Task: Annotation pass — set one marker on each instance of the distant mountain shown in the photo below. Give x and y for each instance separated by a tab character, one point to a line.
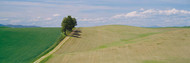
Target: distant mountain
16	26
187	26
169	27
178	27
1	25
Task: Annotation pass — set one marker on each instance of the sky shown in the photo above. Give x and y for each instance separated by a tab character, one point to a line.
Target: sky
141	13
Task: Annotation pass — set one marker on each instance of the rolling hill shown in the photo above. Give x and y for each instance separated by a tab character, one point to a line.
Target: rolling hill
125	44
24	45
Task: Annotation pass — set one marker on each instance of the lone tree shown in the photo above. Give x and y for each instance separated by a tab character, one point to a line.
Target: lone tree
68	24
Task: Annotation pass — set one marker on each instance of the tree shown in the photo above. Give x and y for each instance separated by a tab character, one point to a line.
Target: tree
68	23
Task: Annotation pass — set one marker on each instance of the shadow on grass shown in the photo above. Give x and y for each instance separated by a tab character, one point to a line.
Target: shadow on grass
77	34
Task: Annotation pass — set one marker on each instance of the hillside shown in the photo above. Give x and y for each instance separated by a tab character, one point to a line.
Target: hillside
24	45
125	44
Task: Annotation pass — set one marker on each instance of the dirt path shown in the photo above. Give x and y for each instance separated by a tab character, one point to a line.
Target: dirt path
55	49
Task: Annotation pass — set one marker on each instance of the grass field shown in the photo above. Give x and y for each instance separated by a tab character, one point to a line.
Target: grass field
125	44
24	45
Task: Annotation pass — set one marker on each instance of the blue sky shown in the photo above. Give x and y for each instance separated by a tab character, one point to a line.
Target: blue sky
142	13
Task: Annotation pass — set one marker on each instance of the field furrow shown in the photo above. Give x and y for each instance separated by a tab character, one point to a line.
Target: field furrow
125	44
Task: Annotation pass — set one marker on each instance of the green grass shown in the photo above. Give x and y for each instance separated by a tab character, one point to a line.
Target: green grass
24	45
44	60
126	44
153	61
124	41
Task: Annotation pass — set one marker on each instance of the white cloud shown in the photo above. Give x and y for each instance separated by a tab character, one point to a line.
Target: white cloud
130	14
173	11
56	15
48	19
142	9
29	11
151	12
145	18
92	19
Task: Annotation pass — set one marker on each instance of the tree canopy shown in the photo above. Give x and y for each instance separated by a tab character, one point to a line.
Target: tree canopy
68	23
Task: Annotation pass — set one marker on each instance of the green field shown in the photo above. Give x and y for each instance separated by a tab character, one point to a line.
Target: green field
24	45
125	44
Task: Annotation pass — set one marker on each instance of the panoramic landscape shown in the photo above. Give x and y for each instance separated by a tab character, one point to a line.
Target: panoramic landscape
101	31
